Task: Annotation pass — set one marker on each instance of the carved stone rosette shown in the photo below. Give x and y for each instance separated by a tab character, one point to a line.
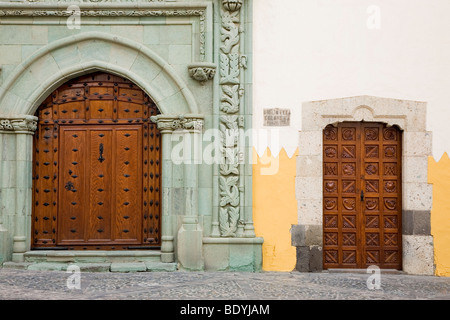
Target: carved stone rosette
230	221
26	124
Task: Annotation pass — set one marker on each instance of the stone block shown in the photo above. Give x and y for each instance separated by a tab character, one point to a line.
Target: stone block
121	56
416	115
23	34
415	222
415	169
145	69
166	87
41	69
242	258
189	247
306	235
8	177
417	196
205	201
94	50
176	34
48	266
161	50
11	54
417	144
128	267
418	255
309	166
94	267
310	143
132	32
308	188
57	32
309	259
180	54
151	34
310	211
16	265
4	244
66	56
161	267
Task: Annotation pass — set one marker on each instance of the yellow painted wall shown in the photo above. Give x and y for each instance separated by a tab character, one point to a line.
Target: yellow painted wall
275	208
439	176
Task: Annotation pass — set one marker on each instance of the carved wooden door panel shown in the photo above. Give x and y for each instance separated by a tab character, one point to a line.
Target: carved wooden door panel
362	196
96	173
101	171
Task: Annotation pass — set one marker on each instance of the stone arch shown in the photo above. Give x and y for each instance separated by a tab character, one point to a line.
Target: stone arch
34	79
409	116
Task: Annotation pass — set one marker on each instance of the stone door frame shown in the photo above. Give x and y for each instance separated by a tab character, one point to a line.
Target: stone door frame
205	234
17	126
409	116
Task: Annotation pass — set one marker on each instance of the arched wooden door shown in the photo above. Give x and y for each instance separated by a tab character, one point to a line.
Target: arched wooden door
96	173
362	196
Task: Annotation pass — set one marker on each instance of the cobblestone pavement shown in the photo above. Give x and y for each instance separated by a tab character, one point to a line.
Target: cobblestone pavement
52	285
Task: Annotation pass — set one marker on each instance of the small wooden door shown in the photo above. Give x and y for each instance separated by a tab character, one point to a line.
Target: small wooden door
362	196
96	167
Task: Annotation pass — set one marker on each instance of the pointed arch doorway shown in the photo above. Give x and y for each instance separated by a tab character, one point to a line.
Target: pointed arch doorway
96	167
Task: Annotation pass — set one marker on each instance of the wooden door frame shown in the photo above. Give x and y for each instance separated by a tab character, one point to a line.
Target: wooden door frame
409	116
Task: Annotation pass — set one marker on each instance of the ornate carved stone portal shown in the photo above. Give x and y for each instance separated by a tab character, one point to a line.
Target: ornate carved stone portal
198	77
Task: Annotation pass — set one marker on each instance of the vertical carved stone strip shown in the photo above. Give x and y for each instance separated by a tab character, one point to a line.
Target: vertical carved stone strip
229	68
244	120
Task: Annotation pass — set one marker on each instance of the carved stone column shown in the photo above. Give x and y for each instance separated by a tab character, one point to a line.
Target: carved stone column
16	184
190	234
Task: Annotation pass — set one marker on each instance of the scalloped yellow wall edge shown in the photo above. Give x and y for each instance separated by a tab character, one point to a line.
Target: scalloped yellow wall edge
275	208
439	176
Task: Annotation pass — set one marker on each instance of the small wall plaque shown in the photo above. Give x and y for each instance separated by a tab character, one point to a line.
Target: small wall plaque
277	117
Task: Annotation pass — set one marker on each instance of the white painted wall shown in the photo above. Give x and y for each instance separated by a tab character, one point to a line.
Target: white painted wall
323	49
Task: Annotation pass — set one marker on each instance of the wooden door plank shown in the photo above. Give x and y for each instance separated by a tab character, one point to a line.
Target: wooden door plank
72	192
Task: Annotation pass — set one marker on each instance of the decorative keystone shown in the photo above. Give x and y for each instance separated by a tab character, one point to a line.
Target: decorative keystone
202	71
232	5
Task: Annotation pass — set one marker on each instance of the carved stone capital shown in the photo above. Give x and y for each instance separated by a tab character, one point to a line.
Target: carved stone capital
232	5
202	71
168	124
19	124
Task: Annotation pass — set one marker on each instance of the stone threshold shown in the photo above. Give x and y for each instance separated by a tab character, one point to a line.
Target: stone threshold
89	256
94	261
363	271
257	240
120	267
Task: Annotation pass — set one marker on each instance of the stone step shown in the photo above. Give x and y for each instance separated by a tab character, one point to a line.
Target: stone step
91	256
148	266
364	271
